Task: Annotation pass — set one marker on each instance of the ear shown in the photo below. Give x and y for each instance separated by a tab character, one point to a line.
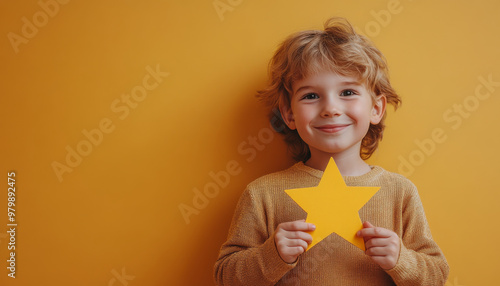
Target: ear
287	115
378	109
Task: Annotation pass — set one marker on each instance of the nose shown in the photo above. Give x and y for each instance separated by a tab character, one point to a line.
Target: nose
331	107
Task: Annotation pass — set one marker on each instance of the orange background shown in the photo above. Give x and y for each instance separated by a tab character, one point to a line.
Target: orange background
118	211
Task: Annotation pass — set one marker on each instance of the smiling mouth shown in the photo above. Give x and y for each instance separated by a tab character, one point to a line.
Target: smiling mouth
332	128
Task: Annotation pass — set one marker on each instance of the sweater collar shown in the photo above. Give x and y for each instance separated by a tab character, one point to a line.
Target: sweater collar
350	180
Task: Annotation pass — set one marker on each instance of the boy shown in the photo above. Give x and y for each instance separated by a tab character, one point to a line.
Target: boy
331	88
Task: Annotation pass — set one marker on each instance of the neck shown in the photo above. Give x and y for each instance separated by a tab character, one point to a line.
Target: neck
348	164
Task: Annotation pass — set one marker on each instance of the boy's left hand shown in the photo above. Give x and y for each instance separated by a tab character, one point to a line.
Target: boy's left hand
381	244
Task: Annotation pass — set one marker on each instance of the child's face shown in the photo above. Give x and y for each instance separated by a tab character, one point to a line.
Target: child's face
332	113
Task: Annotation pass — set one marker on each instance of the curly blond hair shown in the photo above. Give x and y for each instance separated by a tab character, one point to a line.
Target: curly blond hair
338	48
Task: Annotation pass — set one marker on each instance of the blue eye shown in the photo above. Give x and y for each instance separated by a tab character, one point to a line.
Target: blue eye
310	96
347	92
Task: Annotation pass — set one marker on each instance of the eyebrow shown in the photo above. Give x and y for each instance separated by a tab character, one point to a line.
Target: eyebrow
341	83
303	87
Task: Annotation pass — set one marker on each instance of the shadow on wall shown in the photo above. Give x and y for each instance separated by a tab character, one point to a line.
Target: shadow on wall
261	150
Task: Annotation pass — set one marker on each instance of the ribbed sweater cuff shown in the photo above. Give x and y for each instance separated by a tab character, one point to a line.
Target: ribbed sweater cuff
274	266
406	268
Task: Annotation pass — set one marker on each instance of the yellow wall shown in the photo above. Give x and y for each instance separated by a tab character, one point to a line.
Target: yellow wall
69	69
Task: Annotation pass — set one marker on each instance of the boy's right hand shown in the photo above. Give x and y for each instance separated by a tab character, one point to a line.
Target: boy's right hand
292	240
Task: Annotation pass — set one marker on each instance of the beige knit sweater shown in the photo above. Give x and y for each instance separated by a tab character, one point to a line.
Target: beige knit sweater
249	256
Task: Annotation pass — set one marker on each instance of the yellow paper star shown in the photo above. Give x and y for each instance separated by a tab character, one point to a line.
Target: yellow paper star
333	207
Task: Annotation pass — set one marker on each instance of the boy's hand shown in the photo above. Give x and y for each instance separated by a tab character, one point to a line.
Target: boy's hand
292	240
381	244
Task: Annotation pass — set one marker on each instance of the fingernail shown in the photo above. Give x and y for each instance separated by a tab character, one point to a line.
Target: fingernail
313	226
358	233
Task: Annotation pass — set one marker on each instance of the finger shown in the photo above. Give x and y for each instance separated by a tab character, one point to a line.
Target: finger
290	254
385	262
292	243
296	250
376	251
299	235
297	225
374	232
383	257
376	242
367	224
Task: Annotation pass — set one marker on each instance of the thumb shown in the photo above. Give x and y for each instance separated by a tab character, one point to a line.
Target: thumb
367	224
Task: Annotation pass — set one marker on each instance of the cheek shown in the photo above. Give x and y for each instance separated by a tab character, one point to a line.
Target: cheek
362	116
303	114
361	112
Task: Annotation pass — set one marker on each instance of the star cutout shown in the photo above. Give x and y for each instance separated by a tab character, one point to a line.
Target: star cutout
333	207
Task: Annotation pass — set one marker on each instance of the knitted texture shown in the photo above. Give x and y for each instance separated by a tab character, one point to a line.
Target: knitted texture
249	256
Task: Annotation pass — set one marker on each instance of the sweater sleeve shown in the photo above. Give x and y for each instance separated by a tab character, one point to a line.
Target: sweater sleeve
249	256
420	262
